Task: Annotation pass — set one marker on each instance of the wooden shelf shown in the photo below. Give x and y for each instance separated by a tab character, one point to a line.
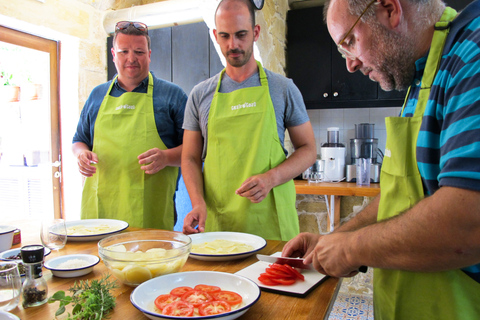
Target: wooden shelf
336	188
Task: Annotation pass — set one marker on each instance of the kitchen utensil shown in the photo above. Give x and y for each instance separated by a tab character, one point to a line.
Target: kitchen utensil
363	171
293	262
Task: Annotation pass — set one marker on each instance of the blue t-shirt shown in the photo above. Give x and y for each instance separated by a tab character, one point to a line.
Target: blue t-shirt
168	103
448	145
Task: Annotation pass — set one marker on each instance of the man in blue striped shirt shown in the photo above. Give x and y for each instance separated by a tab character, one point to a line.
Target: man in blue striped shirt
422	234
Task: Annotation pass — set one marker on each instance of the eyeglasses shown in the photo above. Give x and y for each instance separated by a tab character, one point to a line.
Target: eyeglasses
122	25
344	52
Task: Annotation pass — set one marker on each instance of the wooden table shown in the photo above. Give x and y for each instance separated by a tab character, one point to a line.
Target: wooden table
335	190
270	305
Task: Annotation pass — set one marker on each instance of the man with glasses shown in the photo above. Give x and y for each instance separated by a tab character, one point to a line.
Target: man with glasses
422	233
235	122
128	141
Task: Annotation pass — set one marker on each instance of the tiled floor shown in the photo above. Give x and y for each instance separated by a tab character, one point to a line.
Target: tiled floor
355	299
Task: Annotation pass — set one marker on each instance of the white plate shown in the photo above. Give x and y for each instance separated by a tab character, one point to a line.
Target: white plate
144	295
4	315
118	224
53	264
256	242
299	288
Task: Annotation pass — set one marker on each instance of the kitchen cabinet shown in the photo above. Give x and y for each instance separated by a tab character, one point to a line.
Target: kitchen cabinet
184	55
319	71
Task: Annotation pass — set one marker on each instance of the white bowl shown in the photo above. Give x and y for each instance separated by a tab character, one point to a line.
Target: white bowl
256	242
6	237
144	295
4	315
53	264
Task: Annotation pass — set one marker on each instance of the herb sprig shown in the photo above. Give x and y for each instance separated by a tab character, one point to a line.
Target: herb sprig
91	300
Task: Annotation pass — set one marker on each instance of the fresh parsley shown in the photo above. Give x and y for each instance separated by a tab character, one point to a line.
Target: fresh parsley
91	300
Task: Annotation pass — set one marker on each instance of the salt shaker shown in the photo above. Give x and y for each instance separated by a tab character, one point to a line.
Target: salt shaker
35	290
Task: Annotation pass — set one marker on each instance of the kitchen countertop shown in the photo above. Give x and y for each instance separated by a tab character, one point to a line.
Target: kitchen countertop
315	305
336	188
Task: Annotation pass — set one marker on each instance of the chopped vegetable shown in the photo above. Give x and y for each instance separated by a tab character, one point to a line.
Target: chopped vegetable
91	300
276	274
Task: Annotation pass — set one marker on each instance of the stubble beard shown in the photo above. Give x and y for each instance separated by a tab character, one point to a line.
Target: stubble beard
395	60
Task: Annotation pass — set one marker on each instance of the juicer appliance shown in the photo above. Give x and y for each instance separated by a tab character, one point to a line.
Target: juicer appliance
333	154
364	146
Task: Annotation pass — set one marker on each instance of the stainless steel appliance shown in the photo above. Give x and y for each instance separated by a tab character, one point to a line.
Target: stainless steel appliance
365	146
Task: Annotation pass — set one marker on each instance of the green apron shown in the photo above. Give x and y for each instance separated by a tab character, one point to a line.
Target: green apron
417	295
242	142
124	129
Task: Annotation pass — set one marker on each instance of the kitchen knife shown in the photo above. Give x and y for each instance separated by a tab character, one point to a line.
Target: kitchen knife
294	262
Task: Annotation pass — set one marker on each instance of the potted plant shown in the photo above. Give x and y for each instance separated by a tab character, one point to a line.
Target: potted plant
10	92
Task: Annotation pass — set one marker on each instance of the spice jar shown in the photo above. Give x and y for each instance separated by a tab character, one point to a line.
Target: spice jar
35	290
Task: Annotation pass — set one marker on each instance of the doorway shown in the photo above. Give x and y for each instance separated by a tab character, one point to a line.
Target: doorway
30	152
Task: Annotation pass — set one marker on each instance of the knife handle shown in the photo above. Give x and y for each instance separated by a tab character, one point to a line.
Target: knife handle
363	269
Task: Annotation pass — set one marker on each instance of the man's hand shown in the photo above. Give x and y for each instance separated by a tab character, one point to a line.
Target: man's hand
85	159
194	218
153	160
255	188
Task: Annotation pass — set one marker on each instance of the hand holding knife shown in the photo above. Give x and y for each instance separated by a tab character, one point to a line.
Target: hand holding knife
295	262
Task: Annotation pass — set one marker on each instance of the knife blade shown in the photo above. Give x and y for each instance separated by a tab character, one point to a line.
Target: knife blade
295	262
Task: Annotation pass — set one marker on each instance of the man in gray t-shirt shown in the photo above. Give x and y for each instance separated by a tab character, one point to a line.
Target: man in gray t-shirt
235	125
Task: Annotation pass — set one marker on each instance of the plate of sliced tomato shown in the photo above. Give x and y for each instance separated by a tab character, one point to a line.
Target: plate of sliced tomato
196	294
282	278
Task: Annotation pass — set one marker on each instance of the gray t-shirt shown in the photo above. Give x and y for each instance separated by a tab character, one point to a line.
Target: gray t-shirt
287	101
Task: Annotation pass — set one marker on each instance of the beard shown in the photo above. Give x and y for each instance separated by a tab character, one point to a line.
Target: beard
395	59
241	60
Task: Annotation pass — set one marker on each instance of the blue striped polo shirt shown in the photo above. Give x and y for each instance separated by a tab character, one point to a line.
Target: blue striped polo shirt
448	145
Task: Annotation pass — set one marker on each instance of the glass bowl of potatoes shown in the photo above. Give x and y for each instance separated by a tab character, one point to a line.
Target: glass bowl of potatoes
137	256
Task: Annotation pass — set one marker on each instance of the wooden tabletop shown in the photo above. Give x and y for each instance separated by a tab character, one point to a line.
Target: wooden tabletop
336	188
270	305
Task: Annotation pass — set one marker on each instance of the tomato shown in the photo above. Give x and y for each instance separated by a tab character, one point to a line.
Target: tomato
165	299
207	288
213	307
294	271
232	298
179	309
179	291
284	281
266	280
196	297
276	273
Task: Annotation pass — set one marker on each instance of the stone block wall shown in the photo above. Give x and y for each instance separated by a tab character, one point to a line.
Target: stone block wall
313	215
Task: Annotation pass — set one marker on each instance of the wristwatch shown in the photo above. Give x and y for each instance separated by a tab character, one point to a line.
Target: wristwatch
258	4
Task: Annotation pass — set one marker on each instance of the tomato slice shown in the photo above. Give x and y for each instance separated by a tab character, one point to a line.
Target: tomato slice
266	280
278	274
295	272
196	297
285	281
165	299
213	307
179	309
232	298
207	288
179	291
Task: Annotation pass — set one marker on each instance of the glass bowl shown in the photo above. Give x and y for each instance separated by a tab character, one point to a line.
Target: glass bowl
138	256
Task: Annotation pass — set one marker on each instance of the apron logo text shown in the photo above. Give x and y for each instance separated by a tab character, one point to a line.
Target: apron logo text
244	105
125	106
388	153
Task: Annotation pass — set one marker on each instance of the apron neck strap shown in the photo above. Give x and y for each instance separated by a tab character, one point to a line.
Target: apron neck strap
261	72
442	27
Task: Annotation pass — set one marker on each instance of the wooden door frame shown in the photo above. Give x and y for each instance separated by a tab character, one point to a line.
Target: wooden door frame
53	48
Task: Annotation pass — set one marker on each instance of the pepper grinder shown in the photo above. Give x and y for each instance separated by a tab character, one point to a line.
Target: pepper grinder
35	290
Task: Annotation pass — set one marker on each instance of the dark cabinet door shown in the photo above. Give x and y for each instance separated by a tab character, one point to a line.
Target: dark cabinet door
320	72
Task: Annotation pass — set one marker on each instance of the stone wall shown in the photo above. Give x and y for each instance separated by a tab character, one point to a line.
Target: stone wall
313	214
